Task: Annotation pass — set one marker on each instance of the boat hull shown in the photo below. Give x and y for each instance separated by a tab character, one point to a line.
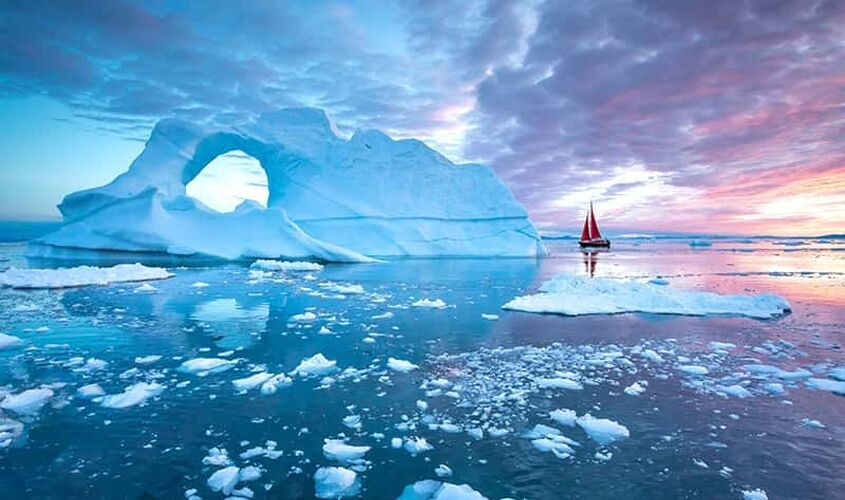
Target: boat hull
595	244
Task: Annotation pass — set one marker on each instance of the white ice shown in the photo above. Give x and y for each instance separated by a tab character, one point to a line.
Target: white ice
602	430
285	265
330	198
429	303
28	402
133	395
7	341
206	366
80	276
337	449
316	365
576	295
400	365
224	480
436	490
756	494
336	482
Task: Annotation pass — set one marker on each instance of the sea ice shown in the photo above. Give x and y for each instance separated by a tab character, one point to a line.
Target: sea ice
564	417
286	265
602	430
132	395
368	195
429	303
90	391
416	445
823	384
147	360
337	449
436	490
576	295
80	276
316	365
206	366
336	482
10	430
695	370
400	365
7	341
635	389
559	383
251	382
756	494
224	480
28	402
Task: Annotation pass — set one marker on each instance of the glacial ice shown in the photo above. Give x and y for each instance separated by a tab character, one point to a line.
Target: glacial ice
79	276
430	489
315	365
602	430
133	395
337	449
330	198
28	402
575	295
336	482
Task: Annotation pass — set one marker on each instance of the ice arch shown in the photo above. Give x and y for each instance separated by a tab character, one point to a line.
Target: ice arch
229	180
330	198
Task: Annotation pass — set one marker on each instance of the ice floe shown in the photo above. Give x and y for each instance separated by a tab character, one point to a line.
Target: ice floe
756	494
336	482
10	430
430	489
202	367
224	480
80	276
337	449
28	402
601	430
430	303
400	365
286	265
7	341
133	395
90	391
575	295
316	365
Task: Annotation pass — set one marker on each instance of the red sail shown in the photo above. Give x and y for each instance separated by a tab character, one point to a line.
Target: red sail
594	227
585	234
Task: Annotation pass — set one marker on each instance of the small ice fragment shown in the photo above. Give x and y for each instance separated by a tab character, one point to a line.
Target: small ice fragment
90	391
652	356
558	383
694	370
489	317
428	303
147	360
721	346
811	423
634	389
415	445
443	470
336	482
352	421
251	382
736	391
249	473
132	395
224	480
602	430
28	402
206	366
400	365
337	449
305	317
756	494
316	365
285	265
7	341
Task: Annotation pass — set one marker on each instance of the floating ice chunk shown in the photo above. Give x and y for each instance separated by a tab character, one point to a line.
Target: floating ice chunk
602	430
416	445
202	367
199	284
774	388
756	494
652	356
400	365
80	276
133	395
429	303
343	289
635	389
7	341
489	317
559	448
774	371
559	383
823	384
145	288
337	449
352	421
812	423
224	480
576	295
396	443
695	370
147	360
249	473
838	373
443	470
384	315
305	317
564	416
336	482
721	346
274	383
436	490
736	391
217	457
251	382
90	391
316	365
10	430
28	402
285	265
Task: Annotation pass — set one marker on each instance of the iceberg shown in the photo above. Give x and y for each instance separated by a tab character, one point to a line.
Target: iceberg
80	276
330	198
571	295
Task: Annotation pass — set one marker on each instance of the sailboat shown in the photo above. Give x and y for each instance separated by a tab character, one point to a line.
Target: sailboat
591	236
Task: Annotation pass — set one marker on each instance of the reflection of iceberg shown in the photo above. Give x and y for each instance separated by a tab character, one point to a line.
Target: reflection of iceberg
330	199
241	324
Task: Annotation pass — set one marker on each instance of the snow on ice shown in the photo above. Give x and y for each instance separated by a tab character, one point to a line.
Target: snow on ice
80	276
576	295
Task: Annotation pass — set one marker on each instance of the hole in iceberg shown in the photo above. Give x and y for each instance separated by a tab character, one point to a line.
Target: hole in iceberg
229	180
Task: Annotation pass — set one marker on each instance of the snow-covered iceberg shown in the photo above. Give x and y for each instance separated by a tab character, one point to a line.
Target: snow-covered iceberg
330	198
574	295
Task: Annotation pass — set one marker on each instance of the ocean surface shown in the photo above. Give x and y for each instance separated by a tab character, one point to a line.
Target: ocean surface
473	395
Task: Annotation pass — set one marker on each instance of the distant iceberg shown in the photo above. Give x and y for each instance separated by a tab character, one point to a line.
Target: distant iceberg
330	199
574	295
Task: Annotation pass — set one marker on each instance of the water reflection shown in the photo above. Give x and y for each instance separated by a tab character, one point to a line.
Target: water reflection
590	258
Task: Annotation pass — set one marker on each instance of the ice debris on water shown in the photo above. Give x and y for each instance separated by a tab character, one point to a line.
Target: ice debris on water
336	482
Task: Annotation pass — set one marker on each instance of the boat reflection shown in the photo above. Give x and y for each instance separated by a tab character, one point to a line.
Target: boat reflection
590	258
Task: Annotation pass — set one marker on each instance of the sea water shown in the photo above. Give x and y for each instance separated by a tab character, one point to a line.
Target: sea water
470	379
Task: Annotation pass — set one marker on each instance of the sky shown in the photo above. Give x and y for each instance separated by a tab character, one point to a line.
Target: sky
725	116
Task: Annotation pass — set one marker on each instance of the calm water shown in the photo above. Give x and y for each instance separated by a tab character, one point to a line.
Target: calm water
685	440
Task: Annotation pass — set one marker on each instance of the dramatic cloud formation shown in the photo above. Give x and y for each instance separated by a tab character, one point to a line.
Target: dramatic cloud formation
701	116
